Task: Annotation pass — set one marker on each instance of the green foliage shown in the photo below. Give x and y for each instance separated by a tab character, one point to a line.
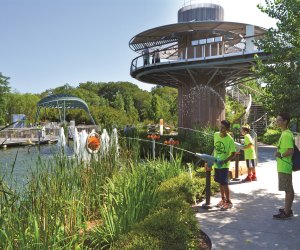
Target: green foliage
109	117
4	90
198	140
176	228
281	71
183	184
52	208
23	104
171	224
255	89
128	198
168	99
271	137
137	241
234	110
192	189
111	104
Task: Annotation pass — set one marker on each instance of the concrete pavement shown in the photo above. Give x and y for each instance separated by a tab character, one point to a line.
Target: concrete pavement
250	224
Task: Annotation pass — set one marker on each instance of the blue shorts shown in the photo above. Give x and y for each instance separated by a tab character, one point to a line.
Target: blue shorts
221	175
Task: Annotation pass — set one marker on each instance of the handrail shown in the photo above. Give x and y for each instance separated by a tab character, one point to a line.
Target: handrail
259	118
223	49
247	112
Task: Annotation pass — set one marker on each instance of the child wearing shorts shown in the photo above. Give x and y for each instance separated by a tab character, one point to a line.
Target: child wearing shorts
249	153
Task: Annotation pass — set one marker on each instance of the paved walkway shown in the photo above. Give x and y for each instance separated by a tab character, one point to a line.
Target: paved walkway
249	225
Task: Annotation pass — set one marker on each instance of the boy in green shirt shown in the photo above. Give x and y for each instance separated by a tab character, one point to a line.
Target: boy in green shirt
224	152
284	165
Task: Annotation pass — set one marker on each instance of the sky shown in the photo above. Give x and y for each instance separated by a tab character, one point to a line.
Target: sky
45	44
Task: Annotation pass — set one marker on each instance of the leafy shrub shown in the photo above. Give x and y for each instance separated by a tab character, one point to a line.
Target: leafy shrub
271	137
183	184
191	189
137	241
170	228
171	224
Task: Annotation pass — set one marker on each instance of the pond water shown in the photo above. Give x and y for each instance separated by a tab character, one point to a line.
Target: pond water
19	162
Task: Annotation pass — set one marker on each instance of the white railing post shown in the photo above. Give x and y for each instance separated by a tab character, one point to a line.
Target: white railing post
186	53
153	148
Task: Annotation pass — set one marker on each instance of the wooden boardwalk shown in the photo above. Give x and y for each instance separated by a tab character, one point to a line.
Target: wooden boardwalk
32	136
16	142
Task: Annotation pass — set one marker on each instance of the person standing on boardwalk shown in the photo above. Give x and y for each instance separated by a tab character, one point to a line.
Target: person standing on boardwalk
284	165
224	152
249	153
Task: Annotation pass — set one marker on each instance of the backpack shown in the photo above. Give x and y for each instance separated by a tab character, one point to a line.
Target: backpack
296	158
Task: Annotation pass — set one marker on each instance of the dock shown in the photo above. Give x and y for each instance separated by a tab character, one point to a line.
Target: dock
16	142
15	137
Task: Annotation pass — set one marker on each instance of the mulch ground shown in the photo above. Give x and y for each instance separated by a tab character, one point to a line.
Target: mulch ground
204	241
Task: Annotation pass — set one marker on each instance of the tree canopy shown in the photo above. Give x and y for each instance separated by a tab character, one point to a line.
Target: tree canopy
111	104
4	90
281	72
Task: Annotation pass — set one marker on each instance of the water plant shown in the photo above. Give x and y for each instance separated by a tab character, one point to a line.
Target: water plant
69	204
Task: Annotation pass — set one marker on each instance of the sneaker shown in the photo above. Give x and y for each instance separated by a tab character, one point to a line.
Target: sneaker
253	178
282	210
220	203
227	205
282	216
247	179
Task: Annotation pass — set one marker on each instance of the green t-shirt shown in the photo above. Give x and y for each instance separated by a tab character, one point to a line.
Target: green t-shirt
223	148
286	141
249	152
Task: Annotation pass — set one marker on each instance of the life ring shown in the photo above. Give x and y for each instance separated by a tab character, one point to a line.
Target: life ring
93	143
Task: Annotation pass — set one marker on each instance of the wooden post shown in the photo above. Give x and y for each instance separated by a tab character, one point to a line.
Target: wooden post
207	188
237	160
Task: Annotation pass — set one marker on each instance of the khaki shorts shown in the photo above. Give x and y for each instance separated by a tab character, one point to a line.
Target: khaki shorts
285	182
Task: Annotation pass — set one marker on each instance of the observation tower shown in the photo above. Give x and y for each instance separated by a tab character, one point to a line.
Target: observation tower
200	55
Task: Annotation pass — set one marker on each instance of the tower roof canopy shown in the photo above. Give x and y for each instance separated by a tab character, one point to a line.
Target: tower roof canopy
168	34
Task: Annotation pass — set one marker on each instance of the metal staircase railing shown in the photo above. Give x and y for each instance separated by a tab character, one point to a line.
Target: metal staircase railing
254	114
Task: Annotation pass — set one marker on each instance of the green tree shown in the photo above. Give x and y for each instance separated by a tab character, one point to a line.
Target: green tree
131	111
4	90
109	117
281	71
140	97
168	99
22	104
119	102
154	112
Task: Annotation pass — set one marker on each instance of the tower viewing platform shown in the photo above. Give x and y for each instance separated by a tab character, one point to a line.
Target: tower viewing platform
200	56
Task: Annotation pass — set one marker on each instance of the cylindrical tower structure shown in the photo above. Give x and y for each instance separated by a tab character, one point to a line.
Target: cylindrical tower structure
201	104
201	12
200	55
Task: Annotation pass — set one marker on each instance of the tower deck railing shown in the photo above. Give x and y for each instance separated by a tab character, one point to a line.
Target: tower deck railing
204	52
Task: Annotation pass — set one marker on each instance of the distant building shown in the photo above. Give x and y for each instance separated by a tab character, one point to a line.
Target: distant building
19	120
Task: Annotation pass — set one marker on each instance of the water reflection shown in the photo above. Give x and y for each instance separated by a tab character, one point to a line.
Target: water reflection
19	162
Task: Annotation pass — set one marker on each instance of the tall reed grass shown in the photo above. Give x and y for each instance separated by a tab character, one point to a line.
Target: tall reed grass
62	195
128	198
